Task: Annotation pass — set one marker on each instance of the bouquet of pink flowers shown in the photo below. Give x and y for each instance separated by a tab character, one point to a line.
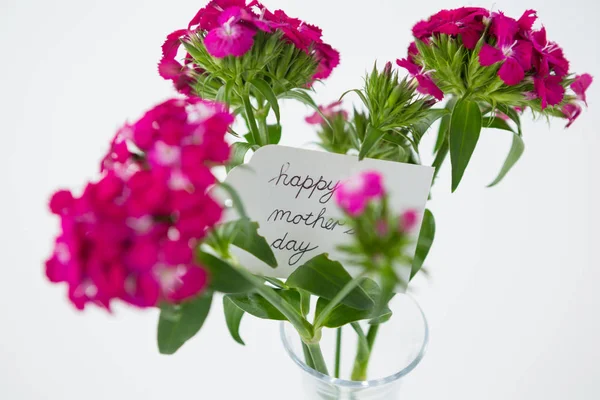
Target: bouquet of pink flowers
150	230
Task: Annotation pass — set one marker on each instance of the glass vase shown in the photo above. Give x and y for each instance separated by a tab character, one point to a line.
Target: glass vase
399	347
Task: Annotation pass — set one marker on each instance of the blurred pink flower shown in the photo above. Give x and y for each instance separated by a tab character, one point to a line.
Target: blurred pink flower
130	236
330	112
353	194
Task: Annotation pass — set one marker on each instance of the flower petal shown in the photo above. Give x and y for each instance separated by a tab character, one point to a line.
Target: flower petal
511	72
490	55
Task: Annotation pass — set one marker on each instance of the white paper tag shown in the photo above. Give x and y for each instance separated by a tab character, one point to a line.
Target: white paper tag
290	193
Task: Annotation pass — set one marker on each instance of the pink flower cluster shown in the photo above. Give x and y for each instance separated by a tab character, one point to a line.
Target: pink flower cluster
521	52
354	194
330	112
230	27
131	234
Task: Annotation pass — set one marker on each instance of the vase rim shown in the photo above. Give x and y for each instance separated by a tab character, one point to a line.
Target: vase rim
368	383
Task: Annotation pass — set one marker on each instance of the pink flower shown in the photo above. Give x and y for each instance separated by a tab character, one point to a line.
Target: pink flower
549	90
466	22
230	38
526	21
515	55
408	220
130	236
580	86
171	69
331	111
354	194
426	85
548	56
328	58
571	111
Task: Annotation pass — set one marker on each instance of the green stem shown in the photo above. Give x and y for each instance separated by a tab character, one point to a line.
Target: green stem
361	364
263	130
317	357
341	295
338	352
307	356
372	335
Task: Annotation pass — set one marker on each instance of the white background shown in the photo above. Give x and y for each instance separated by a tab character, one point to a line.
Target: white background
512	302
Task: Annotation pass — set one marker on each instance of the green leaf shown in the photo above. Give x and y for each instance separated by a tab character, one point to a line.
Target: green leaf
513	115
516	151
325	278
257	305
372	137
430	116
223	276
179	323
304	302
251	120
238	154
265	89
247	238
496	123
424	242
342	314
235	198
233	318
465	127
359	93
303	97
274	134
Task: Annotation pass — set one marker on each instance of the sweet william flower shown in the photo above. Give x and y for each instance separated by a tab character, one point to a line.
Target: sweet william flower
130	236
515	55
330	111
571	112
466	22
354	194
426	85
548	56
408	220
231	37
549	90
580	86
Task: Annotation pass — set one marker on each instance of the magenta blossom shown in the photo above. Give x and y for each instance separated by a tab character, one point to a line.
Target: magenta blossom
330	112
426	85
466	22
408	220
549	90
548	56
229	28
131	235
571	111
354	194
230	37
580	86
515	55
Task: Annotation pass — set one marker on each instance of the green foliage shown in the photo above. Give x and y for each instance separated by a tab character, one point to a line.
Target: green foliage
343	314
465	127
243	233
180	322
424	243
224	277
233	318
255	304
516	150
325	278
